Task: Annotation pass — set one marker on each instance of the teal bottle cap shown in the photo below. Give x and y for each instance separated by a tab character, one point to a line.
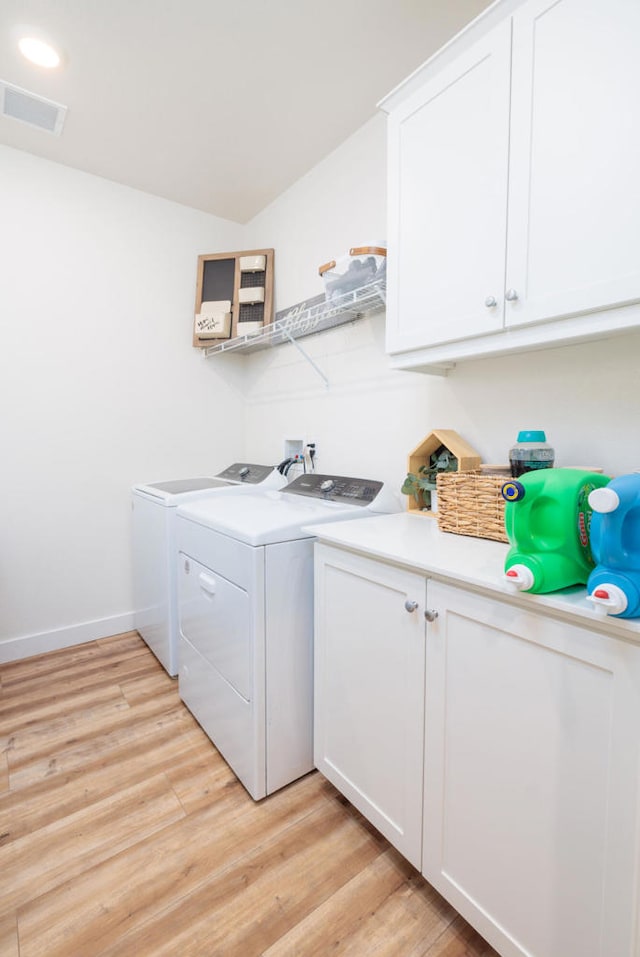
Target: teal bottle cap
532	436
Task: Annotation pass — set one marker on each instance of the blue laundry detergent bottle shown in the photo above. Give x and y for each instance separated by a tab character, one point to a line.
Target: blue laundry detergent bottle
614	584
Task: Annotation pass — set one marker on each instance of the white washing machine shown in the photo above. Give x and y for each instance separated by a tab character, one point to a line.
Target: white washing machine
154	550
245	597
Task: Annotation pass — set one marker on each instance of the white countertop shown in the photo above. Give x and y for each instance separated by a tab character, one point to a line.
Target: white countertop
415	542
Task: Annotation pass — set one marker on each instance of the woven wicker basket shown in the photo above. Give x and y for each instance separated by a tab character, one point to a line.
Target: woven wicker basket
470	503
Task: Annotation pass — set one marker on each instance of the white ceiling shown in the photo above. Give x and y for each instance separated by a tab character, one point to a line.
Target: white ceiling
217	104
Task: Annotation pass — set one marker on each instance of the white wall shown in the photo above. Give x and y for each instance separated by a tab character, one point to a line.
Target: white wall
370	417
366	419
99	388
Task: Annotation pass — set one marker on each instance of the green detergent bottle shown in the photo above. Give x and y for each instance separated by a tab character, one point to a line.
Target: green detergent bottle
547	519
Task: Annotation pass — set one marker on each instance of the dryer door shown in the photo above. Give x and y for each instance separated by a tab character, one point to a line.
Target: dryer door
215	617
222	656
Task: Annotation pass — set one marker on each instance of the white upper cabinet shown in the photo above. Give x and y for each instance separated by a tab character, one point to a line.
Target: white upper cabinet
514	210
449	147
574	201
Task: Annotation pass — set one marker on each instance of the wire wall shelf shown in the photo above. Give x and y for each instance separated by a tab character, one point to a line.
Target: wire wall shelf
307	320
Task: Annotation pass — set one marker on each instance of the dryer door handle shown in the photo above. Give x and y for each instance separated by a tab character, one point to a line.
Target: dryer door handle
207	584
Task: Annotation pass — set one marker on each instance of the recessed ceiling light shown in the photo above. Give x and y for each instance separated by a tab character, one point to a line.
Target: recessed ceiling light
39	52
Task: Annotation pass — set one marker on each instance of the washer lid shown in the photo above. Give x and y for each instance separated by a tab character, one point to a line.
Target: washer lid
239	477
186	485
271	518
173	492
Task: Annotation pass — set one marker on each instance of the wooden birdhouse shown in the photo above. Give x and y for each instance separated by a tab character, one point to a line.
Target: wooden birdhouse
439	441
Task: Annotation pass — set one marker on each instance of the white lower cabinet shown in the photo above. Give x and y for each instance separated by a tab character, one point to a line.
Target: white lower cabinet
525	801
531	778
369	690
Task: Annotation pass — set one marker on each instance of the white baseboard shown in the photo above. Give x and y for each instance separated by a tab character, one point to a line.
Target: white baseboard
28	645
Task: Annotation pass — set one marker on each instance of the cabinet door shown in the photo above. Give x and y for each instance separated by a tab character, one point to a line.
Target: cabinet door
369	691
531	778
448	156
574	202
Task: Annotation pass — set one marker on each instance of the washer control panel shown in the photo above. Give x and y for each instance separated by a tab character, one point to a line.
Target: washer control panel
246	472
335	488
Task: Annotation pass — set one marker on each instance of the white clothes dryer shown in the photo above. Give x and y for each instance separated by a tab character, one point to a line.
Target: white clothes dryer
245	597
154	551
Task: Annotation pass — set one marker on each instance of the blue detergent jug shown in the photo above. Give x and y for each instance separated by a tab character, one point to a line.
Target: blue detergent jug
614	584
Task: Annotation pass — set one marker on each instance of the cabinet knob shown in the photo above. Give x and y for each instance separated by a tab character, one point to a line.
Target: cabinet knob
410	605
490	302
511	295
430	614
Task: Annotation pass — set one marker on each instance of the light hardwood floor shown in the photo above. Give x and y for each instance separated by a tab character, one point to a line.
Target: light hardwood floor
123	832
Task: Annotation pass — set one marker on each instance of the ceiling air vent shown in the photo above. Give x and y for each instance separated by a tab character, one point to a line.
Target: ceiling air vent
32	109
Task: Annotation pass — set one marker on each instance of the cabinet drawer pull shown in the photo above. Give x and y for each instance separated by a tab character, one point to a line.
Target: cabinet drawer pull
430	614
410	605
490	302
511	295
